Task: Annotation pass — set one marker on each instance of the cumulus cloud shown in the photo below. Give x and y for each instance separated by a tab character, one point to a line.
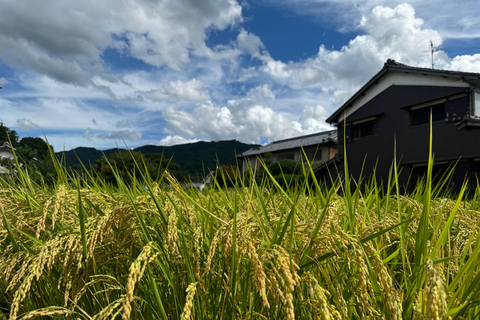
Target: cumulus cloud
233	90
250	43
247	119
26	124
313	119
179	91
3	81
334	75
66	40
448	17
388	33
175	140
466	63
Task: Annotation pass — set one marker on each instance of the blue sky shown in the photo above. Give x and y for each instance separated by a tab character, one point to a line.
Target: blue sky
136	72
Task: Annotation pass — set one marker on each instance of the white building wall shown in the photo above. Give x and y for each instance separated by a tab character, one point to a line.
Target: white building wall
6	154
401	79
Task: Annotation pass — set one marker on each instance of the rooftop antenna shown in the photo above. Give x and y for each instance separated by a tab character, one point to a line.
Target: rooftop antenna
432	51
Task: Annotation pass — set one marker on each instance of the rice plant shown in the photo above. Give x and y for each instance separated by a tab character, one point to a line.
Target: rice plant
258	250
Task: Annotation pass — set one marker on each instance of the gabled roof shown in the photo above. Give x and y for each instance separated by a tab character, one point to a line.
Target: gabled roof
6	147
292	143
392	65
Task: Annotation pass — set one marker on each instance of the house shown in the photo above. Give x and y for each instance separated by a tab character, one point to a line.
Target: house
391	112
318	148
5	152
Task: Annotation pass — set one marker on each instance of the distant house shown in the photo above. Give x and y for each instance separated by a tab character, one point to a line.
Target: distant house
318	148
6	152
392	111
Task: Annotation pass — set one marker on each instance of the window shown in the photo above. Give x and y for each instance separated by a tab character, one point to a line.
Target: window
476	106
312	155
363	129
422	115
285	156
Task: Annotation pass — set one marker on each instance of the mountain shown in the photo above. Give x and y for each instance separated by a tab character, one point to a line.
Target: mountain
196	158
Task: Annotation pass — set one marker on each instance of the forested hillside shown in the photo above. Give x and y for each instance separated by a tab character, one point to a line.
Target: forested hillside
195	158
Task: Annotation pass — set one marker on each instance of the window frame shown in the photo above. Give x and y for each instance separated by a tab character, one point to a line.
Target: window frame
361	125
438	104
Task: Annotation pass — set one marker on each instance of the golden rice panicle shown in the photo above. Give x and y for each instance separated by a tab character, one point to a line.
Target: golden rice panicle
51	312
136	272
197	238
109	309
47	256
10	267
71	247
172	234
436	296
364	286
259	275
328	310
211	251
288	277
22	291
340	301
41	222
187	309
62	200
66	295
26	264
389	294
317	297
101	226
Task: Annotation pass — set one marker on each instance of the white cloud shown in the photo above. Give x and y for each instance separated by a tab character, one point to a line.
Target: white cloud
3	81
125	135
313	119
65	40
247	119
232	90
175	140
178	91
389	33
466	63
451	19
26	124
332	75
250	43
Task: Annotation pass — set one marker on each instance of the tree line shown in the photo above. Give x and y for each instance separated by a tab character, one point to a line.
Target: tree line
34	155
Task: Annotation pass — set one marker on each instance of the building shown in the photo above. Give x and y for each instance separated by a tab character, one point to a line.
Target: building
318	148
6	152
392	112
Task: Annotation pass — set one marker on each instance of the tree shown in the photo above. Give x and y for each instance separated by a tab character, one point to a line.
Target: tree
6	134
285	166
227	176
128	163
35	144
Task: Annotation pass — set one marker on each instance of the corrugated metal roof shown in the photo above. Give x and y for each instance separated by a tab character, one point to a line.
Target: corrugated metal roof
292	143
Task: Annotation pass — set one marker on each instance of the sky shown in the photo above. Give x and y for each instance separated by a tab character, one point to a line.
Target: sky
163	72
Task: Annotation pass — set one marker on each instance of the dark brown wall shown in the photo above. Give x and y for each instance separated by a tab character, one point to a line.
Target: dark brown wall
393	123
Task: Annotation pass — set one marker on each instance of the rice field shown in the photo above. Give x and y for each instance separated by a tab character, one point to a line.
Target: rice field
89	250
